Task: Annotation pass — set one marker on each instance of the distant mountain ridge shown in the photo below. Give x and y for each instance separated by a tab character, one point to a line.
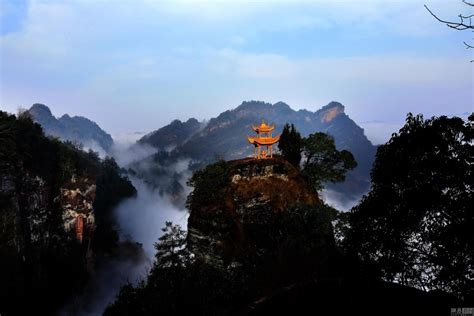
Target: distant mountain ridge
224	136
76	129
174	134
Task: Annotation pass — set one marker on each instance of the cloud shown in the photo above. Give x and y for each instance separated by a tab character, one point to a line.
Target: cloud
142	217
338	200
377	68
126	150
130	65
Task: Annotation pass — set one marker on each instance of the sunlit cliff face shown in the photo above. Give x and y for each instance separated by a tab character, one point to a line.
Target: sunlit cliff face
332	113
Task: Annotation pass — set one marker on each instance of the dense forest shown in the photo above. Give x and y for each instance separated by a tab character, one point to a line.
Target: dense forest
259	238
406	248
43	263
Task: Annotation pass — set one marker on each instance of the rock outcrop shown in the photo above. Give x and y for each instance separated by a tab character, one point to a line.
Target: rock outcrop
52	194
227	228
77	199
224	136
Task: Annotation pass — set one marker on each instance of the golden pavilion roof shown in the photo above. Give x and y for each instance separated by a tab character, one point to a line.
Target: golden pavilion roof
263	128
263	141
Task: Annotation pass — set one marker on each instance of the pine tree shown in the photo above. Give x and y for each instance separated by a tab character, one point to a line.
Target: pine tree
290	144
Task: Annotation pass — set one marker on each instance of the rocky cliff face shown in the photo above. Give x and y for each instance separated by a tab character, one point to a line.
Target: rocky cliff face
224	136
51	195
77	198
29	206
225	221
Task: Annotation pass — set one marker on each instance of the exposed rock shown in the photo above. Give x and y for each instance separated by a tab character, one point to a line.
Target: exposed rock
224	136
332	110
256	192
77	198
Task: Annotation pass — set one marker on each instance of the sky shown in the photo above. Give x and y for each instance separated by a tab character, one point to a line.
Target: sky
137	65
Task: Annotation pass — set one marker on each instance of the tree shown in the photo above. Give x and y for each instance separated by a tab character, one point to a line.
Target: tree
323	162
171	248
464	22
290	144
416	223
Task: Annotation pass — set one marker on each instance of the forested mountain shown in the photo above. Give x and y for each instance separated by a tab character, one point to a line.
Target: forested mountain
224	137
55	216
76	128
174	134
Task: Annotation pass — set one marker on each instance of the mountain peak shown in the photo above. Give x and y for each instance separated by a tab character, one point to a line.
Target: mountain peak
331	111
76	128
192	120
253	105
40	110
172	135
65	117
282	106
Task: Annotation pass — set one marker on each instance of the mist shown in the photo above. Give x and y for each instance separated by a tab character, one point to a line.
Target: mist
337	200
126	150
140	220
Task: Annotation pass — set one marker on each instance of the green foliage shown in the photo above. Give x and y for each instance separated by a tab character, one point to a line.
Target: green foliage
39	261
298	245
416	223
290	144
209	184
179	285
171	248
323	162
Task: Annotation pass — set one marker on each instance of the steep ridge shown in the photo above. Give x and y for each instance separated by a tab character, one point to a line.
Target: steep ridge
76	129
224	137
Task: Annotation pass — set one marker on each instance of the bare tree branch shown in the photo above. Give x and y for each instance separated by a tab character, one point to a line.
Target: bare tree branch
468	3
465	22
461	25
467	45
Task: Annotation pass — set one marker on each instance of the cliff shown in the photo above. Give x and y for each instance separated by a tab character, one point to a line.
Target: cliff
235	203
254	226
55	209
224	136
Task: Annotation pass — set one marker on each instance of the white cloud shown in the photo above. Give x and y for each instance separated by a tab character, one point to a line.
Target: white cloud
106	59
382	68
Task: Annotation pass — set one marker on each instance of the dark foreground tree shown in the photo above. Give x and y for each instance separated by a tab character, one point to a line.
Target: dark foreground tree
416	224
171	248
290	144
323	162
40	261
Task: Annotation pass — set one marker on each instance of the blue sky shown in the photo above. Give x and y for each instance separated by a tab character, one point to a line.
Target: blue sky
136	65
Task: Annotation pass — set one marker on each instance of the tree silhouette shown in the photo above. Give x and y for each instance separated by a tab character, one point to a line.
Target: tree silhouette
290	144
323	162
416	223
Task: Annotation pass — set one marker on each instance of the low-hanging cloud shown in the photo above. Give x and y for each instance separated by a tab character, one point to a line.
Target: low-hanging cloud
126	150
337	200
140	220
142	217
